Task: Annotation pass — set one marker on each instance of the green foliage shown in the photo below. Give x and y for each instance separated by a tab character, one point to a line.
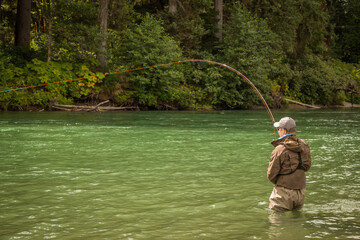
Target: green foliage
74	32
191	27
301	25
316	80
41	73
347	21
147	44
249	46
283	47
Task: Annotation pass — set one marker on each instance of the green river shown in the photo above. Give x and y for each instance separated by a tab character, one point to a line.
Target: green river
172	175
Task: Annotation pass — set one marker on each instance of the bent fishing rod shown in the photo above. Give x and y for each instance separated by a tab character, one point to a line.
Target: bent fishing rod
165	64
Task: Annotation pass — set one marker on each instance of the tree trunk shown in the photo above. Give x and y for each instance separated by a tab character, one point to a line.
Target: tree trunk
173	6
2	34
23	23
218	5
103	17
49	34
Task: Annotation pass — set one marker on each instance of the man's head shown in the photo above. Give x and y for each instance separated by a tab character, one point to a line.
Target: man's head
287	124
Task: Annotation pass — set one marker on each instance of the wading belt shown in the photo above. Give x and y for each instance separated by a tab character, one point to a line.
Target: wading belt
300	166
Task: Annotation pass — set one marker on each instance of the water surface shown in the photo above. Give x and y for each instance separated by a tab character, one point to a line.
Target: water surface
171	175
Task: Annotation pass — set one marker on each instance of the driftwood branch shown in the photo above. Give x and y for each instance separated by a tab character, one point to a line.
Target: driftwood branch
98	107
301	104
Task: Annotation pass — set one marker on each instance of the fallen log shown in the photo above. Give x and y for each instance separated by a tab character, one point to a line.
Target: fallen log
62	108
300	103
98	107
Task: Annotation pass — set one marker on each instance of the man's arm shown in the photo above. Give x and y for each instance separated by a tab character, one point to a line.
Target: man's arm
274	166
306	161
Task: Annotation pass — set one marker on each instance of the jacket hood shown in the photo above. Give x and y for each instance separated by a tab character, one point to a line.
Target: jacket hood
292	143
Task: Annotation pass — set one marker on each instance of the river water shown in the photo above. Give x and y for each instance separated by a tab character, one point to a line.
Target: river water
172	175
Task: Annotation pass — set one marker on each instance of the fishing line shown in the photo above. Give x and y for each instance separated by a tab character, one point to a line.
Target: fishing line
160	65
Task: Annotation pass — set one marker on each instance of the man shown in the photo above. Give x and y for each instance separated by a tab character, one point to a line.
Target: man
287	166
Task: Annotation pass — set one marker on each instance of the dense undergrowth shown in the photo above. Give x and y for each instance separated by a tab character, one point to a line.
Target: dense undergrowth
248	45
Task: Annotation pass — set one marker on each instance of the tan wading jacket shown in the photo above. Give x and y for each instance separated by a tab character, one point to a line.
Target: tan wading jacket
284	161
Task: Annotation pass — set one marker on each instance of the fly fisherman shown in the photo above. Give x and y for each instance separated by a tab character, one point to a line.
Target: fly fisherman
287	166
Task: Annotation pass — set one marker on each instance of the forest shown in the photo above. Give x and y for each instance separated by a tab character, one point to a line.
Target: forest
303	50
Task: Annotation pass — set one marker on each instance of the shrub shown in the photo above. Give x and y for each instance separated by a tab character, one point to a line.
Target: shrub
145	45
249	46
38	72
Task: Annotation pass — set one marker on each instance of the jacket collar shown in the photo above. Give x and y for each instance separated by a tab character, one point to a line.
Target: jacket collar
286	135
276	142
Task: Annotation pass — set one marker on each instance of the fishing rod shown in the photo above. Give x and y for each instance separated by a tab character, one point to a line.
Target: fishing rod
165	64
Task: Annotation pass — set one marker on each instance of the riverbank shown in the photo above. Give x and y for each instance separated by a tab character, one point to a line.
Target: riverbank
292	106
345	105
348	105
100	108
